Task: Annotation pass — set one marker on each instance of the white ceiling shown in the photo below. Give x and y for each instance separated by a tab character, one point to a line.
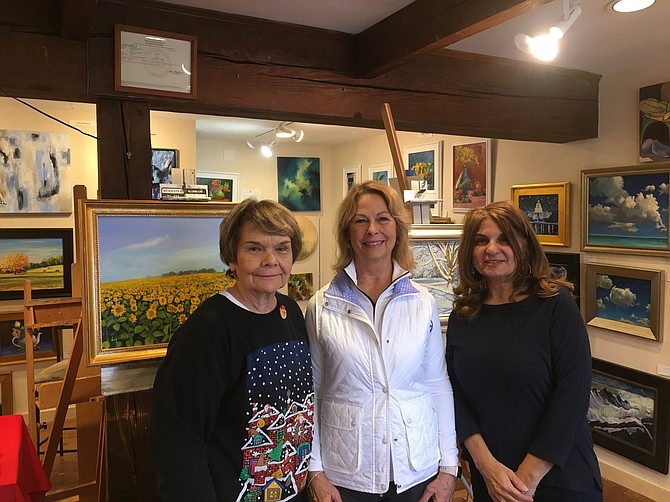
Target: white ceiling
600	41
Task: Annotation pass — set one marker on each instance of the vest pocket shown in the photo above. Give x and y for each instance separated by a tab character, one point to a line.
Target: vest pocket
420	421
340	436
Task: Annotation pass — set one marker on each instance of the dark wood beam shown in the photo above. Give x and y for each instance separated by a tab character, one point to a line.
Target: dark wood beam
426	26
77	18
277	76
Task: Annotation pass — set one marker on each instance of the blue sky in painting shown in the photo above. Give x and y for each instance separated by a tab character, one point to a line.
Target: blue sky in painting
623	299
634	205
132	247
36	249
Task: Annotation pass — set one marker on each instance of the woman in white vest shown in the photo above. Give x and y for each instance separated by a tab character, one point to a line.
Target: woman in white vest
384	421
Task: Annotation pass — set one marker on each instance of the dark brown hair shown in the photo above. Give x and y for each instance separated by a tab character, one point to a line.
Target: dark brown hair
532	274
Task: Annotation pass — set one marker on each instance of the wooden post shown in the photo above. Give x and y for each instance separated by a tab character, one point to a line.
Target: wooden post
395	148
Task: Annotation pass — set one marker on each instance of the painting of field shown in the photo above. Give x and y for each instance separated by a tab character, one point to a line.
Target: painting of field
154	272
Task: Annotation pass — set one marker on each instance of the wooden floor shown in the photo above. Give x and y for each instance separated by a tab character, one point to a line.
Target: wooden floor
65	474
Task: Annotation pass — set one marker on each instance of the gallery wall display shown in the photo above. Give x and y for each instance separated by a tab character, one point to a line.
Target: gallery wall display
148	265
625	299
380	172
350	176
221	187
628	413
654	133
625	210
566	266
155	62
36	175
43	255
426	162
471	175
547	206
299	183
434	248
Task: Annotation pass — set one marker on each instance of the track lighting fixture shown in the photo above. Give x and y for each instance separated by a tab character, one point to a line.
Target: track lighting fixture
282	132
631	5
545	47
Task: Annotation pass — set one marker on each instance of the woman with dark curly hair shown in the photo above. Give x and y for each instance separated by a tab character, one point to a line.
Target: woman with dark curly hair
519	361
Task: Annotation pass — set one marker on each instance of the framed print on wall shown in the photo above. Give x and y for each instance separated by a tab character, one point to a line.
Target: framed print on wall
155	62
625	210
566	266
628	413
654	122
350	176
547	206
221	187
624	299
380	173
299	183
426	162
43	255
148	265
471	175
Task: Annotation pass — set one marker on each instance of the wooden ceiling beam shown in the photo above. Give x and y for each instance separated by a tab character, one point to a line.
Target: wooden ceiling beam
77	18
426	26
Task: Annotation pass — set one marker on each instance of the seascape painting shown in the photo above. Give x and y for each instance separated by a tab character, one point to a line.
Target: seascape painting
623	299
437	269
628	210
35	173
299	183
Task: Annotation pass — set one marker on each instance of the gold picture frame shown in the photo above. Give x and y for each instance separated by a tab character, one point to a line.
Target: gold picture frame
147	267
547	206
624	299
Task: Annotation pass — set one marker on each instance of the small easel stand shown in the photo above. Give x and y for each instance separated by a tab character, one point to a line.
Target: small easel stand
420	204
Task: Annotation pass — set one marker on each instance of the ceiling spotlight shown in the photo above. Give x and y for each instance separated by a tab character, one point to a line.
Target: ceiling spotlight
631	5
250	144
268	150
545	47
299	136
284	132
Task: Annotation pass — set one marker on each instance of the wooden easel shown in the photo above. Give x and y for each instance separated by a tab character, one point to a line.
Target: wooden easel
81	384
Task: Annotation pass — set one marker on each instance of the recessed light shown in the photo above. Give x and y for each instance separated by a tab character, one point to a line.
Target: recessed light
631	5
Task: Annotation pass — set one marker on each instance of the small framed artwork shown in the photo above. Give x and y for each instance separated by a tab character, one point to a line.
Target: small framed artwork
654	122
625	209
426	162
566	266
350	177
380	173
624	299
471	175
547	206
299	183
163	160
221	187
301	286
13	341
148	265
628	413
43	255
155	62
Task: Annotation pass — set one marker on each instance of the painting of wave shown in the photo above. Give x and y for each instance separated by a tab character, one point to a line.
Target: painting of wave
437	269
623	410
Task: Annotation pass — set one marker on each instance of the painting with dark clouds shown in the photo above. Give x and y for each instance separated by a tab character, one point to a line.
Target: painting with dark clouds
299	183
628	210
623	299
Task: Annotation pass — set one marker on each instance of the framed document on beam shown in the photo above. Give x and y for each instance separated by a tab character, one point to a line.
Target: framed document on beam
155	62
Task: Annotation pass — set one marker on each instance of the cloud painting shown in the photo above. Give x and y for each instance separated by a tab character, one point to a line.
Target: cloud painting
623	299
